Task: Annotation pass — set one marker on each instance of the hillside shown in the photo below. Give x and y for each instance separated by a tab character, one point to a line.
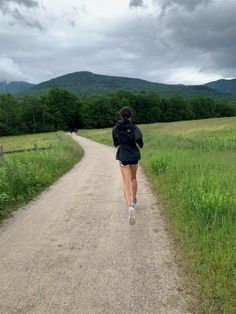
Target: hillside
224	86
85	83
14	87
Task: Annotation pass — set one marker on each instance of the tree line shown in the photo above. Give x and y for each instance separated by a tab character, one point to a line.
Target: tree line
58	109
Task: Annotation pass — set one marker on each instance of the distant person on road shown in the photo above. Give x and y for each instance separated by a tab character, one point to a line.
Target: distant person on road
126	135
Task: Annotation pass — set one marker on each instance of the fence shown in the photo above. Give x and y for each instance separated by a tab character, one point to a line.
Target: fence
35	148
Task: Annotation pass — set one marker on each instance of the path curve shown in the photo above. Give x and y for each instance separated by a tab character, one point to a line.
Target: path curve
71	250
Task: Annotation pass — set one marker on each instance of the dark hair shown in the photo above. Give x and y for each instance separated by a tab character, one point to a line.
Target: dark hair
126	113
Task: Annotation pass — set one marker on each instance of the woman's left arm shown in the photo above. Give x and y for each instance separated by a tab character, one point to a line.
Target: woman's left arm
138	137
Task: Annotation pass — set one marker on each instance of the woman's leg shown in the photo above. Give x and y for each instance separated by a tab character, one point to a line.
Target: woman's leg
125	170
134	184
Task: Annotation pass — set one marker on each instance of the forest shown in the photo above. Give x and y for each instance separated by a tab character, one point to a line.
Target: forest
58	109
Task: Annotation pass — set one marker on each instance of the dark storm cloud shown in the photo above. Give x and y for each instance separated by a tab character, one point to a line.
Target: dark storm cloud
17	15
26	20
209	28
4	4
188	4
136	3
27	3
172	41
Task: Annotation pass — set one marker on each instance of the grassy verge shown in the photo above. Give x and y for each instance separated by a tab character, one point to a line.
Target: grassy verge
24	175
28	140
192	165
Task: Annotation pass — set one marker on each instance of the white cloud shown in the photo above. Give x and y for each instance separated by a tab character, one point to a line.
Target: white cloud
10	71
191	76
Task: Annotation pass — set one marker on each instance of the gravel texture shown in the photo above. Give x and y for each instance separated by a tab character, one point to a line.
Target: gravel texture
71	250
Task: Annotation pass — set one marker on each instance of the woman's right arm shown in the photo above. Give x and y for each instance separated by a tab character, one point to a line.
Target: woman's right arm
115	140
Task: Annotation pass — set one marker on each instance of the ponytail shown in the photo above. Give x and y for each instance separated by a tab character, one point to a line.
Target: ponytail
126	113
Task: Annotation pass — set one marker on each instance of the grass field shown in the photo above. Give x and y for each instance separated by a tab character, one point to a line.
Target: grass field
28	140
24	175
192	166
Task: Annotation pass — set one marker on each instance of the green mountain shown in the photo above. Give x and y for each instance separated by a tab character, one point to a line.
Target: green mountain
14	87
224	86
85	83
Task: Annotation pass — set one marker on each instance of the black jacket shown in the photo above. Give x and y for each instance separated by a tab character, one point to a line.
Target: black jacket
126	135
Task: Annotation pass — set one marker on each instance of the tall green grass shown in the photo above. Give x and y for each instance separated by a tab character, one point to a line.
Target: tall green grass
192	166
24	175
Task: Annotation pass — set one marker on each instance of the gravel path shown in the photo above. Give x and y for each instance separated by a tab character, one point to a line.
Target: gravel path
71	250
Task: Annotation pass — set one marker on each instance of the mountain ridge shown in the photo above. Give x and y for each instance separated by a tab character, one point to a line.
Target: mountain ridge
14	86
223	85
83	83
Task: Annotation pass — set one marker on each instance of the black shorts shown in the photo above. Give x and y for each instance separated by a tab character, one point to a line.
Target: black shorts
128	163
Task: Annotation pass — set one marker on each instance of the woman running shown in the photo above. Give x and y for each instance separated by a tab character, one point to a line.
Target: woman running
125	136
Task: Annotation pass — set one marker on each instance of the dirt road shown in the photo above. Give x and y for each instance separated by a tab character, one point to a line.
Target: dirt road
71	250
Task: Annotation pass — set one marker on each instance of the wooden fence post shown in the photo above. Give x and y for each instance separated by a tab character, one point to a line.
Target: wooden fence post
1	153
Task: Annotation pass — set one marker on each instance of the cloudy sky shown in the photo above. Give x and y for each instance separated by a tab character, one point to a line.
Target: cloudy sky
168	41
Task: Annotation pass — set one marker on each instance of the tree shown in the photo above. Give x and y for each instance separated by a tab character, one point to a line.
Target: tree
62	108
203	107
32	115
176	108
96	112
9	111
147	107
225	109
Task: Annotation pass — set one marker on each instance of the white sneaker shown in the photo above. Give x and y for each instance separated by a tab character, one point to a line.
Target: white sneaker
131	218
